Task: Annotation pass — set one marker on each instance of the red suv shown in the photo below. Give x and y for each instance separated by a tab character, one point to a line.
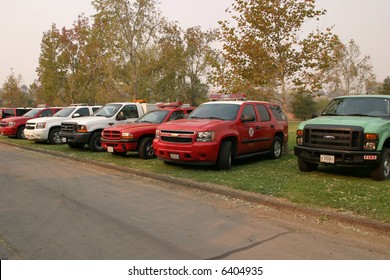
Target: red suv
138	136
14	126
12	112
217	132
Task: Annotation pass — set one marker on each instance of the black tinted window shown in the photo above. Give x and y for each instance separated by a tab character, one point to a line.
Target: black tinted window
264	115
83	112
248	110
278	113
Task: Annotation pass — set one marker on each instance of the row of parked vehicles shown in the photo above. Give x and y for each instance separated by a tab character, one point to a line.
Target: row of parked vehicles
352	131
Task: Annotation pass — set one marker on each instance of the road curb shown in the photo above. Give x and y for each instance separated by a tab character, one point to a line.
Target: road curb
279	204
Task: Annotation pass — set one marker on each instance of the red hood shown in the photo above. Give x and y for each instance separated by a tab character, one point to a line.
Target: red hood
16	119
132	126
193	124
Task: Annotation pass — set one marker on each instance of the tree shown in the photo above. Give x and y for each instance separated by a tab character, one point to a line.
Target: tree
384	88
13	94
265	48
303	106
350	73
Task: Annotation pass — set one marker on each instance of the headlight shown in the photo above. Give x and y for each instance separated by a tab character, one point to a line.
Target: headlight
127	135
11	124
157	133
300	137
370	141
41	125
205	136
82	128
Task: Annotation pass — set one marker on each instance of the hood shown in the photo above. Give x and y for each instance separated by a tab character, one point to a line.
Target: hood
15	119
193	124
369	124
51	119
88	120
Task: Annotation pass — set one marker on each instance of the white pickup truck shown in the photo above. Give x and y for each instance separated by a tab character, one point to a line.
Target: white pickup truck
77	133
47	129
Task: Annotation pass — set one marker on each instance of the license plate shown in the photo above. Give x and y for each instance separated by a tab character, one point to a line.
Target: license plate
63	139
326	159
174	156
110	149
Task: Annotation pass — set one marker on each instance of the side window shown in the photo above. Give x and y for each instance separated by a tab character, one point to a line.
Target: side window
94	109
130	111
278	113
263	112
83	112
46	113
249	110
176	115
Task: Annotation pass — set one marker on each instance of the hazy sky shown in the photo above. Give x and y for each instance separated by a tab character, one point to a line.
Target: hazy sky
22	23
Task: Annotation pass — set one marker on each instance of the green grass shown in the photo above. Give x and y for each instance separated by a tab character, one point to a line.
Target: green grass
342	189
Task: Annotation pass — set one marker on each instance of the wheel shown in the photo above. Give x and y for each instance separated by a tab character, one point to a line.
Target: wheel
224	161
145	149
54	136
305	166
382	170
20	132
277	148
76	145
94	142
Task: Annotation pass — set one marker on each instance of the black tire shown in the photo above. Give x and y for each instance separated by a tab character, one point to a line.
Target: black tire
305	166
54	136
224	161
20	132
145	149
382	170
277	148
76	145
94	142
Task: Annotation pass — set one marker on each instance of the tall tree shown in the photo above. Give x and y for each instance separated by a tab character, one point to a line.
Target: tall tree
13	94
350	73
265	47
384	88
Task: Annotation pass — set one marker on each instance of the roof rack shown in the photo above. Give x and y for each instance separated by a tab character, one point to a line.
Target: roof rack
227	97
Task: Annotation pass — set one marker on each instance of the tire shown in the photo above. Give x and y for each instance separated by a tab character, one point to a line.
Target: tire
382	170
94	142
54	136
145	149
224	161
305	166
277	148
20	132
76	145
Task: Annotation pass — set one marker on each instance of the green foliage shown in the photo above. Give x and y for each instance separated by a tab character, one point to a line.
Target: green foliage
13	94
303	106
385	87
264	47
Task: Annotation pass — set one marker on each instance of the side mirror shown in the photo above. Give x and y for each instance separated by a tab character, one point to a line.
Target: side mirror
248	118
76	115
314	115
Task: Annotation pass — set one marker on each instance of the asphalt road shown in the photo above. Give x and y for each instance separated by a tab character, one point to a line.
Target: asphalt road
57	209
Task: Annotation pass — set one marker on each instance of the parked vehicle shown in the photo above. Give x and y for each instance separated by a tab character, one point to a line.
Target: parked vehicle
14	126
217	132
352	131
88	130
48	129
138	136
12	112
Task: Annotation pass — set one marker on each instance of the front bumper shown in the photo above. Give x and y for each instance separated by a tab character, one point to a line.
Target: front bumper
8	131
38	135
76	137
120	146
341	157
203	153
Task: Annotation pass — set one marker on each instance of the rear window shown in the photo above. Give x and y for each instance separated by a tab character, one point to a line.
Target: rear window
278	113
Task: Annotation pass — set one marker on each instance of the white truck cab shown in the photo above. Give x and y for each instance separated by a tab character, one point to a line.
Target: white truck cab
77	133
47	129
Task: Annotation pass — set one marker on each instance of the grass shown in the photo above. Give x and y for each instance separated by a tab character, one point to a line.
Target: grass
342	189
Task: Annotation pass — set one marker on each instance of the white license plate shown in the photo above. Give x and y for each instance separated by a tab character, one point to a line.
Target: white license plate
326	159
63	139
174	156
110	149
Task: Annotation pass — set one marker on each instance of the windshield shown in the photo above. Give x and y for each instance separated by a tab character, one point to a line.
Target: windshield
153	117
365	106
64	112
108	110
216	111
32	112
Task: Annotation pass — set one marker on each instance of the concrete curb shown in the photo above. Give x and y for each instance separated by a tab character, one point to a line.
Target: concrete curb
269	201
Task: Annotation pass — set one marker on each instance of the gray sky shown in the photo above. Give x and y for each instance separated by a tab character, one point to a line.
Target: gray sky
22	23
